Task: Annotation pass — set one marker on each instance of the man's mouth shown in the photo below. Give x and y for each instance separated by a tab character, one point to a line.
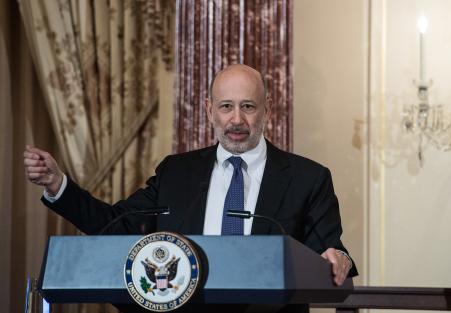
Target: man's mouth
237	135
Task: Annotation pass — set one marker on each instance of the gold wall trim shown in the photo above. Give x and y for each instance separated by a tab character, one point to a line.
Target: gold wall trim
367	155
382	132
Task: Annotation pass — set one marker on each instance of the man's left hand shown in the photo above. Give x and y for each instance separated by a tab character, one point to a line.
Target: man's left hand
340	264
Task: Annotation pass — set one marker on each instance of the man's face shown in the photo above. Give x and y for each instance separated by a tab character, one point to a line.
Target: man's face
238	109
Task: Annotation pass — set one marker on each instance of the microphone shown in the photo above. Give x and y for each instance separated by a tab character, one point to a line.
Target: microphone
152	211
246	215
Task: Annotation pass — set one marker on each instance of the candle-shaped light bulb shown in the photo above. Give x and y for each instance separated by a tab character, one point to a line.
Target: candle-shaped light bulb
422	24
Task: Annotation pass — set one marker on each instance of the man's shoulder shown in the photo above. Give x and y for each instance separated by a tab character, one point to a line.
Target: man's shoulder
178	166
188	160
209	151
292	159
301	169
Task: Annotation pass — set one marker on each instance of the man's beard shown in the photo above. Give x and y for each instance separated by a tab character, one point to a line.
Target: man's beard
238	147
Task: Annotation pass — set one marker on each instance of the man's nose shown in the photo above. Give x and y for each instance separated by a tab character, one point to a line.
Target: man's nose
237	117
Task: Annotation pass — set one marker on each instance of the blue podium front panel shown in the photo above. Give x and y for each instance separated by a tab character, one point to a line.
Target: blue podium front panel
237	269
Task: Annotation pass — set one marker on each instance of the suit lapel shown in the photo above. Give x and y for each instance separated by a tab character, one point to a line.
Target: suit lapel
193	221
275	181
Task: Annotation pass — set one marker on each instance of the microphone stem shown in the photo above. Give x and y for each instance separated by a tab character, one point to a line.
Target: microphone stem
157	211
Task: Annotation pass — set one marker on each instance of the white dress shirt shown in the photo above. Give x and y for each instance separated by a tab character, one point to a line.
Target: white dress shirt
253	167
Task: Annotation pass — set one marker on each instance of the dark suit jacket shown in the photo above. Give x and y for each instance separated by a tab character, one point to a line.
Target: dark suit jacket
296	191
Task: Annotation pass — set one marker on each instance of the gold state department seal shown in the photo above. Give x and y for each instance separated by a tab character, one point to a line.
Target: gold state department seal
162	271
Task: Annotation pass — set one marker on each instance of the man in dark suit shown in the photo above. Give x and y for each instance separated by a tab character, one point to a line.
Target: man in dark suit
242	171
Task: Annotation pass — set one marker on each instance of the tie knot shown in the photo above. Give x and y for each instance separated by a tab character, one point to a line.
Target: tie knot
236	162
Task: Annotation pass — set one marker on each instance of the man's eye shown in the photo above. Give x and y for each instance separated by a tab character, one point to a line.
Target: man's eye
248	107
225	106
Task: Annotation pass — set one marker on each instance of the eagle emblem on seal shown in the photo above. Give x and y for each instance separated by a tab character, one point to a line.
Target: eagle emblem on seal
160	276
162	271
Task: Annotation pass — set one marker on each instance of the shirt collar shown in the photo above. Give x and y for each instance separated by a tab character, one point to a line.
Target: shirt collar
251	158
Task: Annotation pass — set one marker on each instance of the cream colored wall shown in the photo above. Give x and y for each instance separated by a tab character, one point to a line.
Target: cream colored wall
354	62
410	235
329	103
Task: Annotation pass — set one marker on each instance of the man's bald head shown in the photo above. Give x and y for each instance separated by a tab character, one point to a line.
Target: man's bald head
238	108
239	69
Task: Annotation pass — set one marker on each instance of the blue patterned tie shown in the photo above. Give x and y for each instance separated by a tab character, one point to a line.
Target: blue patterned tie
234	200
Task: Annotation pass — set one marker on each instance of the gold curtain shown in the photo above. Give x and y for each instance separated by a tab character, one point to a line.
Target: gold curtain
90	99
24	222
97	62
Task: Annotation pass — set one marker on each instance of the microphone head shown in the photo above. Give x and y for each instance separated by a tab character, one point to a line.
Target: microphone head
239	213
160	210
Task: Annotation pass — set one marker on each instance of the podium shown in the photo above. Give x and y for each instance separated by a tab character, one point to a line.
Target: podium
236	269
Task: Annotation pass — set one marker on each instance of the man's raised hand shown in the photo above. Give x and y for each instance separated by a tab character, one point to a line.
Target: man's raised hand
42	169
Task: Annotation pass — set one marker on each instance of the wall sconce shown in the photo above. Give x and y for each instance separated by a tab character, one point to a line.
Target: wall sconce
426	120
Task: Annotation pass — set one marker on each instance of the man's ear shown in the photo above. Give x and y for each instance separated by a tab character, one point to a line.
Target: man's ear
208	108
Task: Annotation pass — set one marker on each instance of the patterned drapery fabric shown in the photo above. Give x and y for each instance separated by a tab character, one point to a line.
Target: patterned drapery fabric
97	63
212	34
